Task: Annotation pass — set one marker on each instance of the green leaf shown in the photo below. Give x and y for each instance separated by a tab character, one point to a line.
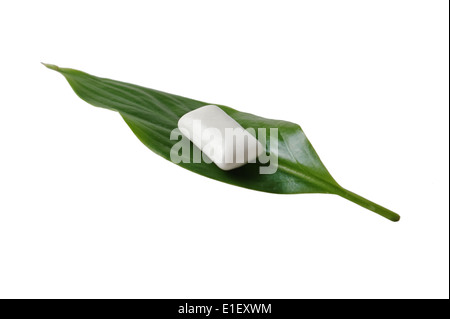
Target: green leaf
152	115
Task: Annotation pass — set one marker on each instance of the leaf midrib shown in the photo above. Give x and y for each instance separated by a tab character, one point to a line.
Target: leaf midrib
310	177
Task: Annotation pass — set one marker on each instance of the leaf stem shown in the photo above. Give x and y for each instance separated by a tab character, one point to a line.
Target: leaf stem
334	188
369	205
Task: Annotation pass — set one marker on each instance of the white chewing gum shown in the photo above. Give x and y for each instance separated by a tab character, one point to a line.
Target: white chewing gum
220	137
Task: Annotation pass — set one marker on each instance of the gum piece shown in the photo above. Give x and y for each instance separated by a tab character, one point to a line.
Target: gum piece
220	137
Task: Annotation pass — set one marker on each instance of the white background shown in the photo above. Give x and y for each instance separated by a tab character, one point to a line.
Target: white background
87	211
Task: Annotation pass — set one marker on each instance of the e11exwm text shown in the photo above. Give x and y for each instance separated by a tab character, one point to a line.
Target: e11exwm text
237	308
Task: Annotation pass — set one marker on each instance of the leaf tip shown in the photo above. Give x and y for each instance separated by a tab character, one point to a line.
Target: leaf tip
51	66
